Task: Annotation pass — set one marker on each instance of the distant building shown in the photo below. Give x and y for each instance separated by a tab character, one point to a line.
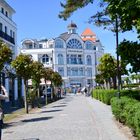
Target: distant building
8	33
75	57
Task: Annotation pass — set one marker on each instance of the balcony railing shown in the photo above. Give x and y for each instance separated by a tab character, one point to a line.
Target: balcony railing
7	37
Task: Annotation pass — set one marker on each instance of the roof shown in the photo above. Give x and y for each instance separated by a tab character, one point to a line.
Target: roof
91	39
65	36
72	25
7	5
88	32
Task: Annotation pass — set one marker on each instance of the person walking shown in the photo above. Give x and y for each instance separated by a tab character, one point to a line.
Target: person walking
3	96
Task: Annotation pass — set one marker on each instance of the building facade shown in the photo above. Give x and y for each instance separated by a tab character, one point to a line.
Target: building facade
8	34
74	56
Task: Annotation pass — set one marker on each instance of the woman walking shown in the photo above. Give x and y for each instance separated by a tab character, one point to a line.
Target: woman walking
3	96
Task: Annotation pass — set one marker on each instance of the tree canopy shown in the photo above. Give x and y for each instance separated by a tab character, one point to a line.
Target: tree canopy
5	54
130	54
110	9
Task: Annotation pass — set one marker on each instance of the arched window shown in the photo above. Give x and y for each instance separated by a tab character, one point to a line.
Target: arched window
45	59
61	71
74	44
88	45
58	43
89	60
60	59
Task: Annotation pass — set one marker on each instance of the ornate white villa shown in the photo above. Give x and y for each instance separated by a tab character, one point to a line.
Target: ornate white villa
8	33
74	56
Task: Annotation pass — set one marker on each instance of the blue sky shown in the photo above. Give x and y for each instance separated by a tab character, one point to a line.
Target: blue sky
39	19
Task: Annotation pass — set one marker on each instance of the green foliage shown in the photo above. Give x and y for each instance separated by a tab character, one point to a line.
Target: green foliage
57	79
125	50
23	66
31	97
5	54
71	6
126	110
104	95
37	72
109	10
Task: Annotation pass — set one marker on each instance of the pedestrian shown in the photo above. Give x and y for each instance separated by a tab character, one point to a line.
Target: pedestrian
59	93
85	91
3	96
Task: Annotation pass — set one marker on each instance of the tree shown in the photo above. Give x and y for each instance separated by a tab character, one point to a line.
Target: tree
130	54
23	67
37	74
5	56
47	75
108	69
111	8
57	79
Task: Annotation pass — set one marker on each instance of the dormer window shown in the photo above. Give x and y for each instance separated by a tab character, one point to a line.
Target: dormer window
6	13
2	10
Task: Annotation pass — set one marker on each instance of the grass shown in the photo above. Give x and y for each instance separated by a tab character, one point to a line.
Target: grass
15	114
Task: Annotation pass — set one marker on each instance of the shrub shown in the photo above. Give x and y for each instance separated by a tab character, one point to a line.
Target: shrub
126	110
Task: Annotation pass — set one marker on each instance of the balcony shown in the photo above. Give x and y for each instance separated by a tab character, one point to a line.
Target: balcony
7	37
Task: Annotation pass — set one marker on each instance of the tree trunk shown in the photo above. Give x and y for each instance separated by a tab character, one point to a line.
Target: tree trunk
46	92
114	82
25	96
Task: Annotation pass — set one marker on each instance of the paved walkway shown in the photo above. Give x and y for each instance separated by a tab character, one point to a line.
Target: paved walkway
75	117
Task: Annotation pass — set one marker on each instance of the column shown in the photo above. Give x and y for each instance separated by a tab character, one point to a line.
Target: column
7	87
15	89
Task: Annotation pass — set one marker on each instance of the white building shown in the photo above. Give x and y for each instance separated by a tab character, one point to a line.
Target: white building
75	57
8	33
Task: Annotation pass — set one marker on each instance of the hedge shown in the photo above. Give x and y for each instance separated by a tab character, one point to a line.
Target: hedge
106	95
127	111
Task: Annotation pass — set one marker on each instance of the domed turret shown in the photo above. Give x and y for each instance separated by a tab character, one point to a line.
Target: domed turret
72	28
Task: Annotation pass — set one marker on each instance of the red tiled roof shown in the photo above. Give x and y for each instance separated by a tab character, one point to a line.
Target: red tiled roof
88	32
91	39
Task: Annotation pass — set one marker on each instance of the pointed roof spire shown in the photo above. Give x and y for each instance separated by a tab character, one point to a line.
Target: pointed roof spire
88	35
88	32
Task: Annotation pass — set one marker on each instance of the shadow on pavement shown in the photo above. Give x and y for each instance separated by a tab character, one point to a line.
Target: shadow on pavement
31	139
59	106
51	111
11	124
37	119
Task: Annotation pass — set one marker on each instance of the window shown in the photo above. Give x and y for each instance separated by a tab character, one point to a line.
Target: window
2	10
74	44
11	33
61	71
6	13
94	48
45	59
73	59
60	59
0	26
81	72
89	71
69	72
58	43
40	46
89	60
6	29
88	45
79	59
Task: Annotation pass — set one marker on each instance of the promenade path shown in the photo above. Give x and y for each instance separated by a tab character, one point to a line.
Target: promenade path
75	117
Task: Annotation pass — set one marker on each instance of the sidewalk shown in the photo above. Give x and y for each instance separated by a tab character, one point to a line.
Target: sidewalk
75	117
106	123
